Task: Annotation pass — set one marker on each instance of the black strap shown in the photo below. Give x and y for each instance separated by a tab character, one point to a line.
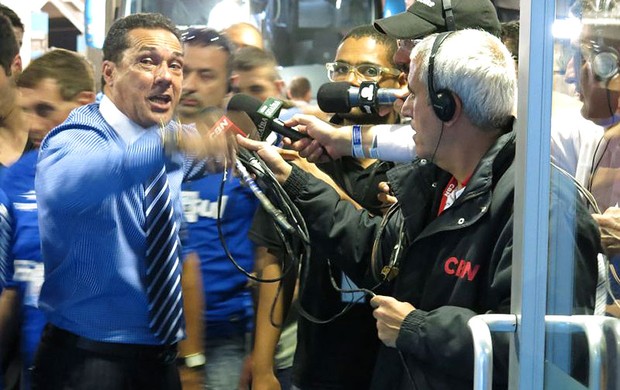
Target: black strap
449	15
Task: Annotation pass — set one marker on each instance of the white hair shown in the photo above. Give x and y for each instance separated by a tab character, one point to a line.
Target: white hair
478	68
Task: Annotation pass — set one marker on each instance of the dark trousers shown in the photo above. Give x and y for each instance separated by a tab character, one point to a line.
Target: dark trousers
67	361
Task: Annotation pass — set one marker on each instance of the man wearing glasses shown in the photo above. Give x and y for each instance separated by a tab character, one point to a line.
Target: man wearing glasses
422	18
340	353
365	55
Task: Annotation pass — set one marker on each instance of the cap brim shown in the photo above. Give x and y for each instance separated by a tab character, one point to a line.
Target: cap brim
405	25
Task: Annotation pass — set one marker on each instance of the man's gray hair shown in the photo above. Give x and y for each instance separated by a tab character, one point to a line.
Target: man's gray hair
478	68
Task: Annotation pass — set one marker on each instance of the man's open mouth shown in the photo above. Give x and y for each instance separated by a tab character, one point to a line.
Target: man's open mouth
160	99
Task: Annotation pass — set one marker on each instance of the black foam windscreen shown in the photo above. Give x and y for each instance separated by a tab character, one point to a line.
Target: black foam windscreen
264	124
244	103
334	97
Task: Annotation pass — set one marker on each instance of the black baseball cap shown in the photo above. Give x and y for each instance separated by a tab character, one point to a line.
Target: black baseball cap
426	17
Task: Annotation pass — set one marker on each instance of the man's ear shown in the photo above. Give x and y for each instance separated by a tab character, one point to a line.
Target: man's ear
16	65
232	82
107	72
85	97
402	79
281	86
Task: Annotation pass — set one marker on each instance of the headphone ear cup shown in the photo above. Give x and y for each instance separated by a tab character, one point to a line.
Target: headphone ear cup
605	65
444	105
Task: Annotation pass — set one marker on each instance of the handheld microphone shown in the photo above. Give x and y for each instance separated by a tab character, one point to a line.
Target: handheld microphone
264	116
276	214
225	124
340	97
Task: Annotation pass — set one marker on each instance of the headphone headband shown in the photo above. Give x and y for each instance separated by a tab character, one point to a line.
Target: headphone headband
448	15
442	101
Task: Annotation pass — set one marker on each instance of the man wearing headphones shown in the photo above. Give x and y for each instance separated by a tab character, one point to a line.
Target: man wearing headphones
394	142
450	238
592	154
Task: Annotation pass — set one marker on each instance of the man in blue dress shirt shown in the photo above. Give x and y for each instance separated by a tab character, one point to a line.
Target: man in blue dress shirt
94	183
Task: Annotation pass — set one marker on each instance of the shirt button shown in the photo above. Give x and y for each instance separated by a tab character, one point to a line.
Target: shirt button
434	185
461	221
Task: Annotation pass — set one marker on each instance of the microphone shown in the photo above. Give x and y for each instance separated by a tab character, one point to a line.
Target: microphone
225	124
264	115
275	213
340	97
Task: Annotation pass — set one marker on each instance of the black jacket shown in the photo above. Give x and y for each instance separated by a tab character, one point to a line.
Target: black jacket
454	266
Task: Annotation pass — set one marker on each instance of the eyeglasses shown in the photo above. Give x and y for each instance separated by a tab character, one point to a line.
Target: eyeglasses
205	37
337	71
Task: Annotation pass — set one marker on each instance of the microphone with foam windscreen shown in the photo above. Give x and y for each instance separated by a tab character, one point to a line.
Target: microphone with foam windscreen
340	97
264	115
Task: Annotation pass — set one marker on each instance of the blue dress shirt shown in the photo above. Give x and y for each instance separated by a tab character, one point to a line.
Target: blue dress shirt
90	189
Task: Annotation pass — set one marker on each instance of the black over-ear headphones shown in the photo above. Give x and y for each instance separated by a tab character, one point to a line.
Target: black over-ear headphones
604	63
442	100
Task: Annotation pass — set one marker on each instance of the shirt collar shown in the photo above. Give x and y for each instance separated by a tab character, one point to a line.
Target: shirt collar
127	129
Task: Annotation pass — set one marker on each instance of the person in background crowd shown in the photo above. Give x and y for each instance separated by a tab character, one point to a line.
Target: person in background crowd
243	35
13	135
228	315
299	90
454	222
14	141
50	87
510	37
108	187
18	26
255	73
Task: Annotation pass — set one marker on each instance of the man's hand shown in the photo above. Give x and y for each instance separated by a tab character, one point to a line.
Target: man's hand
609	224
192	378
385	195
270	155
268	381
204	140
326	141
390	314
245	380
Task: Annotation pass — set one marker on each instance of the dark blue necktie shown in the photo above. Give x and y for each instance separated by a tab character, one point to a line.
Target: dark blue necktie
5	241
163	272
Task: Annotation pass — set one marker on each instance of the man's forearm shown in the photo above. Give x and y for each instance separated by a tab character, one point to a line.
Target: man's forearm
193	305
382	142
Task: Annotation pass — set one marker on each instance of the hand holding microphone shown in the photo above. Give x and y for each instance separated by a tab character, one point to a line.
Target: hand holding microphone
264	115
270	155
